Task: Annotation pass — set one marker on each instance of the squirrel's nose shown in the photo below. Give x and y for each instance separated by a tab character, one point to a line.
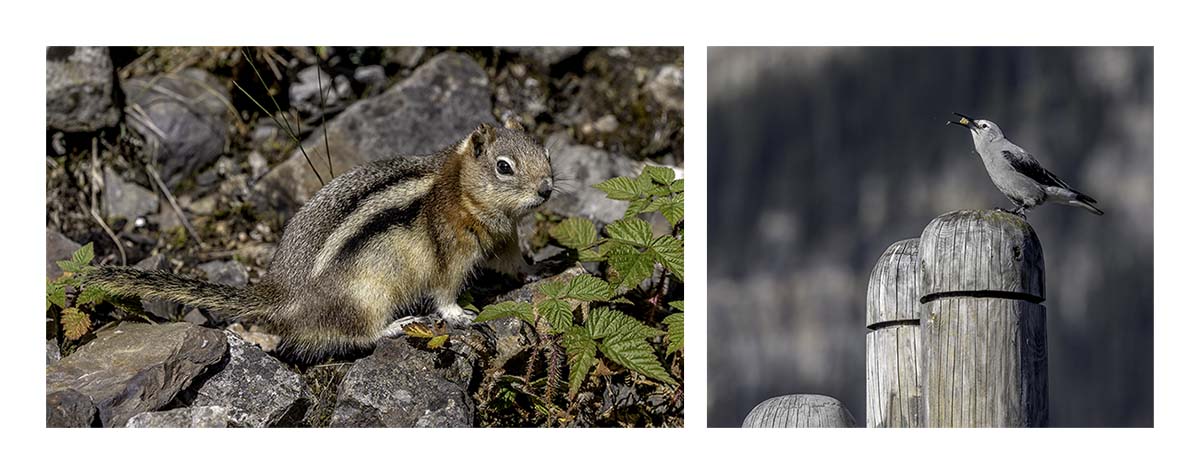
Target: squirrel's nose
545	188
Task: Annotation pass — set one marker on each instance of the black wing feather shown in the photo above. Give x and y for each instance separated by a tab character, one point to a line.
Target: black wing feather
1026	165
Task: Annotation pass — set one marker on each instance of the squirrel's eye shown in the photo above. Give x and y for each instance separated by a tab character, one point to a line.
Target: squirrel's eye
504	167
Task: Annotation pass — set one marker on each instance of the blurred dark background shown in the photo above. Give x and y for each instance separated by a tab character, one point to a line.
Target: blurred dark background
819	158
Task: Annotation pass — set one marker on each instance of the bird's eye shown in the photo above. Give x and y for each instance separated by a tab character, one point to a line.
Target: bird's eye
504	166
985	125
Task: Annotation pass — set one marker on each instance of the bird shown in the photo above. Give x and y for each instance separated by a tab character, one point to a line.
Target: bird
1017	173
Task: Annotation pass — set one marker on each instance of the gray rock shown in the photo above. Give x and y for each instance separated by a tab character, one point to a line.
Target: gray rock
405	56
161	308
53	354
402	386
258	165
123	199
184	117
544	55
227	272
191	417
305	91
79	89
372	75
584	166
128	369
442	102
257	384
58	247
667	87
194	316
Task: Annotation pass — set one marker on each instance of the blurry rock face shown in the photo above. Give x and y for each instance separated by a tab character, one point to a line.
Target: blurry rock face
306	92
442	102
583	166
190	417
229	272
256	384
123	199
544	55
126	370
402	386
184	118
667	87
58	247
79	89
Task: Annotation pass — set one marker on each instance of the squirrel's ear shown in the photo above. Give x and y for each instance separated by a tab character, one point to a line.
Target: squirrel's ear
483	135
511	123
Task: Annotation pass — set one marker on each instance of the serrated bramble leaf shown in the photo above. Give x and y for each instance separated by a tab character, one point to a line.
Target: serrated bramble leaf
506	309
581	356
84	255
553	289
69	266
630	230
677	186
56	294
620	188
669	252
635	353
437	342
557	313
671	208
676	304
418	330
631	269
660	174
620	300
592	255
674	324
467	301
607	322
575	233
91	295
638	206
588	288
75	323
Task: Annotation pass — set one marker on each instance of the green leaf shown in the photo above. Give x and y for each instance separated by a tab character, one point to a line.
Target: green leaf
671	208
91	295
84	255
620	188
630	230
575	233
674	324
676	304
631	268
659	174
437	342
506	309
588	288
75	323
669	252
56	294
592	255
69	266
677	186
581	357
557	313
607	322
467	301
638	206
635	353
553	289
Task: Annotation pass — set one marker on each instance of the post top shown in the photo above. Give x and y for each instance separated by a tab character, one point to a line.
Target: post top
991	253
893	292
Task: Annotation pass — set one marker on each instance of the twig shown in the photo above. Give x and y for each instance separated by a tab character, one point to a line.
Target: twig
174	204
95	210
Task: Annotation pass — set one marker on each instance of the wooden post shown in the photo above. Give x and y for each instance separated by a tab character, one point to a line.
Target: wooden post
983	325
894	338
799	411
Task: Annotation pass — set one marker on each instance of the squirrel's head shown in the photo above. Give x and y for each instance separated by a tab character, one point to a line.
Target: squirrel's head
507	167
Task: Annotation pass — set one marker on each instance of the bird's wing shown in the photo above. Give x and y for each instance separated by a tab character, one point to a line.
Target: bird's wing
1025	164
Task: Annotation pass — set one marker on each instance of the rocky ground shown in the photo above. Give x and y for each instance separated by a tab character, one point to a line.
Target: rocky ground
161	158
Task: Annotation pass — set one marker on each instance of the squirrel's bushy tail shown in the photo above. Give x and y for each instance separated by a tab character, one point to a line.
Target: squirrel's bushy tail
126	281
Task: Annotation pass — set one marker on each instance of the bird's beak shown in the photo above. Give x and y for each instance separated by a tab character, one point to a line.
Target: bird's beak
963	120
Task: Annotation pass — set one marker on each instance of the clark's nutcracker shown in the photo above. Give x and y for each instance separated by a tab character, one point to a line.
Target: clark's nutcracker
1017	174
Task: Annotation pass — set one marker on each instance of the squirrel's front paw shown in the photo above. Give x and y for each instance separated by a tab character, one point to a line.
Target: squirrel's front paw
455	316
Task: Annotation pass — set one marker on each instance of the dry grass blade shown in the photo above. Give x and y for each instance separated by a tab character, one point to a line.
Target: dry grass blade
285	125
95	211
324	130
174	204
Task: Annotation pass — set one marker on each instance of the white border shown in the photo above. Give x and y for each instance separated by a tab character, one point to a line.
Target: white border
692	24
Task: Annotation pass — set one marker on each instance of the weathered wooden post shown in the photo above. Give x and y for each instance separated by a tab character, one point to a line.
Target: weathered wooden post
983	325
894	338
799	411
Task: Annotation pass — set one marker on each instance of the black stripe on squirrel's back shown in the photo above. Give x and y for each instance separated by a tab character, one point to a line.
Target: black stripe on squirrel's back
380	223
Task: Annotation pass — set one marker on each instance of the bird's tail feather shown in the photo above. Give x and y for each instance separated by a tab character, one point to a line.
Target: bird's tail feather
126	281
1082	200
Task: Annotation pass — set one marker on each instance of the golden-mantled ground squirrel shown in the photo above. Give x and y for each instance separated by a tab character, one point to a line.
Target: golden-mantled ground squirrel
377	241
